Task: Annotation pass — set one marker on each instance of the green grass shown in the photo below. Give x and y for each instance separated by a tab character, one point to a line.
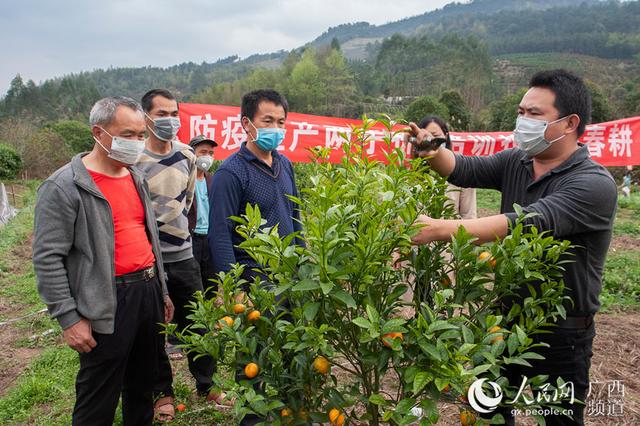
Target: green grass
44	393
621	281
488	199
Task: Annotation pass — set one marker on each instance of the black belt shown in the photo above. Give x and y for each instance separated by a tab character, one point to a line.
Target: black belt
142	275
575	323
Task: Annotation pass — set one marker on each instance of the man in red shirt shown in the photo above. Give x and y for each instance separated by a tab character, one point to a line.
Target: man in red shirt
98	263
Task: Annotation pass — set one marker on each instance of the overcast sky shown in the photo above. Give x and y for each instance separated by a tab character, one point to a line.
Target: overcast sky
44	38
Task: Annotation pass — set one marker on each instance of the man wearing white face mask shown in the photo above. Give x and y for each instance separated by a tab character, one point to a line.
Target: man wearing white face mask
98	262
199	212
170	169
550	174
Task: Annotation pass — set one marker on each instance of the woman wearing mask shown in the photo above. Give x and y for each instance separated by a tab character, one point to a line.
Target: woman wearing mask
462	199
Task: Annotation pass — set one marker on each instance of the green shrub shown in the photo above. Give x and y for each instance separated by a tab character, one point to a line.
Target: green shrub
10	162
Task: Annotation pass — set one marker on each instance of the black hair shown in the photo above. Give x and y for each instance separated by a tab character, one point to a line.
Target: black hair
572	95
440	122
147	99
251	100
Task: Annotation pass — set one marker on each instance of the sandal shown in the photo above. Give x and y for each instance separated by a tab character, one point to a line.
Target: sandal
220	400
163	410
174	352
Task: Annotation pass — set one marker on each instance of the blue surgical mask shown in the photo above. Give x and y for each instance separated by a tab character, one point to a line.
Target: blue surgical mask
268	138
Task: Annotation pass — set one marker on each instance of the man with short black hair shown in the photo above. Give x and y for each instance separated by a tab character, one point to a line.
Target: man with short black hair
170	169
256	174
574	199
99	269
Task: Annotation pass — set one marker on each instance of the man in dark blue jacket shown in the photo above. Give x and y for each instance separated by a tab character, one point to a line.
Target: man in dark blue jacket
257	174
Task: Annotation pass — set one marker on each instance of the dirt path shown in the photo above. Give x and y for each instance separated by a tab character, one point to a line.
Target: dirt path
15	358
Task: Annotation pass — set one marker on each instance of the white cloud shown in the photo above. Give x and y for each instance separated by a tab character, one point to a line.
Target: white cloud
44	39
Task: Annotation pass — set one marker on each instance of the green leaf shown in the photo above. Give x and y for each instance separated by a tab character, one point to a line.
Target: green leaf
326	287
394	325
440	325
522	336
306	285
430	350
372	313
377	399
420	381
362	322
480	369
344	297
467	334
311	310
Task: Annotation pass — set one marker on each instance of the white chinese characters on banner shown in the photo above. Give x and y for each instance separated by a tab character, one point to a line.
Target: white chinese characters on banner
506	141
374	137
457	144
232	133
594	139
302	129
620	139
202	125
333	136
483	144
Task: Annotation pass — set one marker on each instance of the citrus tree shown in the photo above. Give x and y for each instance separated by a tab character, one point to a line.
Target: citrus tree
358	325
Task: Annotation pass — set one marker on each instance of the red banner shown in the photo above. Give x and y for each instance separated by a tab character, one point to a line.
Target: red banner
614	143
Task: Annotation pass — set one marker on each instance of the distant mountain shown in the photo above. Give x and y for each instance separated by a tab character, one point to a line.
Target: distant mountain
498	22
599	39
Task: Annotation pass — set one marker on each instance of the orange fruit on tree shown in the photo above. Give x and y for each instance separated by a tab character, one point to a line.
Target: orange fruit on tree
251	370
286	412
181	407
253	316
239	308
339	421
227	319
333	414
498	338
321	364
445	281
467	418
391	336
486	256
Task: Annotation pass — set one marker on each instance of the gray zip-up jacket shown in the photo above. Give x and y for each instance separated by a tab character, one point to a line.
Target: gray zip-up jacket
73	246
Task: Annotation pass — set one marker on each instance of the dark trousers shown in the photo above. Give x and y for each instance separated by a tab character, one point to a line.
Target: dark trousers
123	362
183	281
568	356
202	255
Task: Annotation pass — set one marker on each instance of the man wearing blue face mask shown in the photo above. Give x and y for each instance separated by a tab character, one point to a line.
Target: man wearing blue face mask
170	169
256	174
550	174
